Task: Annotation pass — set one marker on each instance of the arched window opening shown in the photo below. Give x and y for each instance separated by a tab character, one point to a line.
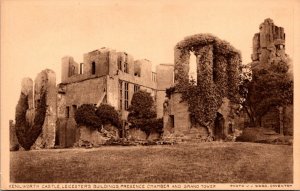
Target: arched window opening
193	68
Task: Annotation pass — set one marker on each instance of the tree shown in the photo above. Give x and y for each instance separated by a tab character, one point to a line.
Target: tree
271	86
142	113
28	133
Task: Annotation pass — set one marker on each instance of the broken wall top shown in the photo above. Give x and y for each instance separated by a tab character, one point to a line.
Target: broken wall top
199	40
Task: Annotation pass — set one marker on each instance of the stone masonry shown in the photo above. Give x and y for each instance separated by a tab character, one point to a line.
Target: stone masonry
269	48
177	121
45	81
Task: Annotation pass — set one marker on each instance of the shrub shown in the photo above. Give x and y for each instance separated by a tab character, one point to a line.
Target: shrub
89	115
26	133
86	115
108	115
142	113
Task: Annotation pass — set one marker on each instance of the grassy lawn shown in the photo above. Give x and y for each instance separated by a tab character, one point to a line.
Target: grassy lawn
184	163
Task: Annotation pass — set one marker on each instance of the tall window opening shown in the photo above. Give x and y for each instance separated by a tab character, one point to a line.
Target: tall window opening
126	96
120	65
136	88
67	112
120	94
81	68
153	76
74	108
126	70
93	68
193	68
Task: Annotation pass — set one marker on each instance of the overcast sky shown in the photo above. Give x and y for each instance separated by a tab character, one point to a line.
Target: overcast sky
36	34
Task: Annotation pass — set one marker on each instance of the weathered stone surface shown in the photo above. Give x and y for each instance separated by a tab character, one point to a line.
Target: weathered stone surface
13	140
90	137
69	68
27	89
216	60
270	49
165	78
269	42
136	134
46	81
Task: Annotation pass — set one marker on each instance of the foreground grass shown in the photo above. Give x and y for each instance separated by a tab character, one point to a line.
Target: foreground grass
185	163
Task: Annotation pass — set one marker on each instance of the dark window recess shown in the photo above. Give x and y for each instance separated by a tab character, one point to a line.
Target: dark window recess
126	96
171	121
74	108
126	67
153	77
67	112
136	88
126	70
93	68
120	65
121	94
81	68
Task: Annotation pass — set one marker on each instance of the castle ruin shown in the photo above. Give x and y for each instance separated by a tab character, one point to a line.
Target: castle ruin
268	49
213	57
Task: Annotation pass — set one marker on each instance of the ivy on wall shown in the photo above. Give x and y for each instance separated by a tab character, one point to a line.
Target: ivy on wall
218	70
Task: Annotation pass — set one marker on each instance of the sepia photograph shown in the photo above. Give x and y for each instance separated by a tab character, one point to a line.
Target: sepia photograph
149	95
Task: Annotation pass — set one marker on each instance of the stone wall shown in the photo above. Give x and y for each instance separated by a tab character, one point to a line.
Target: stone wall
216	60
47	80
27	89
13	140
68	68
85	92
96	137
165	79
139	135
178	115
269	42
269	48
101	59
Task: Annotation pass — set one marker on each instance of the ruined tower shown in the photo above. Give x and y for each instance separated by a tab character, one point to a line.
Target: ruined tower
269	50
269	43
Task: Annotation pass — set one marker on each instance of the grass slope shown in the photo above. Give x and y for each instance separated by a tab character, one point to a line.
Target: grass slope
185	163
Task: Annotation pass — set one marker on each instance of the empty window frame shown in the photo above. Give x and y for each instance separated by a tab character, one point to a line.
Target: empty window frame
120	94
153	76
67	112
120	65
126	70
93	68
81	68
74	108
126	96
136	88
